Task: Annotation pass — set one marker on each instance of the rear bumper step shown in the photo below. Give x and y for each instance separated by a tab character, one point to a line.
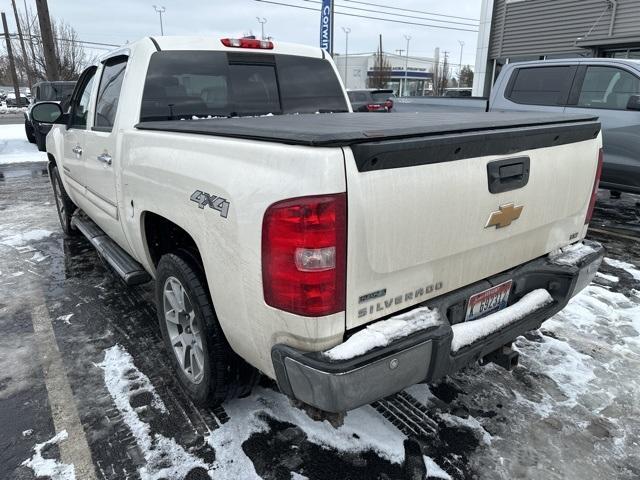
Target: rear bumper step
337	386
124	265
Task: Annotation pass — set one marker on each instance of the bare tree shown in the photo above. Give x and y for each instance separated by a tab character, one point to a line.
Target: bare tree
70	53
381	74
466	76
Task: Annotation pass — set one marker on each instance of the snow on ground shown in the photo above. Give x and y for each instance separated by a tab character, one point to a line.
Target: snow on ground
380	334
48	467
14	147
468	332
630	268
15	238
164	457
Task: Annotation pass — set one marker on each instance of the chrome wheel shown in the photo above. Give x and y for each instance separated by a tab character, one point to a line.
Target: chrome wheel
183	329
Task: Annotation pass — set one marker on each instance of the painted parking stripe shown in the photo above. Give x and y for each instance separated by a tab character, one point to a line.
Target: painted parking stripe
65	416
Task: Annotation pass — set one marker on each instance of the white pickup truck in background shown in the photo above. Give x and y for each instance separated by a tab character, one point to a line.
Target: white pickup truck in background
345	255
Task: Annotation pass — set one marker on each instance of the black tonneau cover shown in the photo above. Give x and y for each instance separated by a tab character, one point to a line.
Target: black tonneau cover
344	129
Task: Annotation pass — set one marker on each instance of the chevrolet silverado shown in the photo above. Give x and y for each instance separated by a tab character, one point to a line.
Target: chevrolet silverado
345	255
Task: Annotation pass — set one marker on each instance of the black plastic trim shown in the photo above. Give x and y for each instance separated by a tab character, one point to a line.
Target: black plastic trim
155	43
446	148
508	174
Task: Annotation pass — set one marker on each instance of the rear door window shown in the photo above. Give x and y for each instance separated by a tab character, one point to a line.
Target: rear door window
540	85
184	84
607	87
109	93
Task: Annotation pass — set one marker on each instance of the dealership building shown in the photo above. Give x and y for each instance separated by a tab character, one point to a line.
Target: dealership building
356	69
521	30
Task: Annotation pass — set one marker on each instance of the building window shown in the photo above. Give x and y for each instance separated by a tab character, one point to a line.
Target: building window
539	85
607	87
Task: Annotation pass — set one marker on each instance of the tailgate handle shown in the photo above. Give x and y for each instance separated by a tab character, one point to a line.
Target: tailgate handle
508	174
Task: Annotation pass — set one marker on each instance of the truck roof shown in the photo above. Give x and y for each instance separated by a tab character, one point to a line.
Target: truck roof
342	129
212	43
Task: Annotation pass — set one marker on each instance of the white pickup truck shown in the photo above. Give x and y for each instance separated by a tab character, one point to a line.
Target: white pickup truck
345	255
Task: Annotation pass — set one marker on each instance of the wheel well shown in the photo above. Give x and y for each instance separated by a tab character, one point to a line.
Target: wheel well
163	236
51	158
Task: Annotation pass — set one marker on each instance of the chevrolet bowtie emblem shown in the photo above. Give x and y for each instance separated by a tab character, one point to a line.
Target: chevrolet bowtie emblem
503	217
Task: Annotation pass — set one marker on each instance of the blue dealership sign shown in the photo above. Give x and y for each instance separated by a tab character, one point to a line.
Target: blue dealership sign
325	25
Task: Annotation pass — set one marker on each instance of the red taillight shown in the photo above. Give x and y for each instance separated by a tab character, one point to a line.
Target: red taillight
375	107
247	43
304	244
594	192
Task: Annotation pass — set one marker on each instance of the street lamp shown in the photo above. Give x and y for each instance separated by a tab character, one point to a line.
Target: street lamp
406	66
160	11
346	31
461	47
262	21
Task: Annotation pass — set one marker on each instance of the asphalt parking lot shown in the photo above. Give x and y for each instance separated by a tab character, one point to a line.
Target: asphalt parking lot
86	390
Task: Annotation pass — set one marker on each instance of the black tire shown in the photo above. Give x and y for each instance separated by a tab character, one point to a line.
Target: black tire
225	374
64	205
28	130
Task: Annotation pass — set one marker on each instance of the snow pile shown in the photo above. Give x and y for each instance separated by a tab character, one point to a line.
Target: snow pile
48	467
630	268
382	333
571	254
608	278
164	457
466	333
14	147
363	429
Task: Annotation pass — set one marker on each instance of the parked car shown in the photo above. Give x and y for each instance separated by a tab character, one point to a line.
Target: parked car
457	92
13	102
46	92
371	100
606	87
343	255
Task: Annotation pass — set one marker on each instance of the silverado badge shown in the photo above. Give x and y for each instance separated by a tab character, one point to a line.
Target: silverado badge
504	216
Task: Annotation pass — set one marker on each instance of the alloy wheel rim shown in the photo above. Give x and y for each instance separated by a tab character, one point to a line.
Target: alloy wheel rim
183	329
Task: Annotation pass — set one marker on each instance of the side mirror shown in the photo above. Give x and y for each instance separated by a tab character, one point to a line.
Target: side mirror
46	112
634	102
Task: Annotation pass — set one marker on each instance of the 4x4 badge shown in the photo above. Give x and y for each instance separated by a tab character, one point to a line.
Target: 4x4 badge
504	216
217	203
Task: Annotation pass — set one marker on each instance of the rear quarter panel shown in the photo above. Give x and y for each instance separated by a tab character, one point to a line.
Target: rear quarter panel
161	172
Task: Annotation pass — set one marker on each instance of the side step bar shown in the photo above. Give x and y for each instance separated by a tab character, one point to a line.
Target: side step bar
125	266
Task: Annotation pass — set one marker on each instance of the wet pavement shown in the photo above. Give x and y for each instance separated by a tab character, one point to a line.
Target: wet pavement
82	354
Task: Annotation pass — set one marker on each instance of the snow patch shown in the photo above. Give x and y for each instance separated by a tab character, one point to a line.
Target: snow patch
470	422
466	333
65	318
39	257
21	238
608	278
630	268
434	470
48	467
14	147
164	457
380	334
571	254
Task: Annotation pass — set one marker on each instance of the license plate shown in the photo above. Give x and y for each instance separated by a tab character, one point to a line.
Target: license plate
491	300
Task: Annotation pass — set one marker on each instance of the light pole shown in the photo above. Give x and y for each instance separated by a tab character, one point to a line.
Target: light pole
346	31
406	67
160	11
461	47
262	21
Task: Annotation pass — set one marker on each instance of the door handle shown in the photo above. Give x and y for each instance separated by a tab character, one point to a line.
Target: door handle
77	150
104	158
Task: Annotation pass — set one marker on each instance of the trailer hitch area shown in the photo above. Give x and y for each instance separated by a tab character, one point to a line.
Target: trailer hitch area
504	356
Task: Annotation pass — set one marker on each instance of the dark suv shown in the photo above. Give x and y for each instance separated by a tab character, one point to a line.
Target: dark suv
371	100
45	92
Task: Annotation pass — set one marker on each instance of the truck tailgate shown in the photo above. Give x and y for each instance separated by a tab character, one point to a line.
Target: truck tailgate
423	221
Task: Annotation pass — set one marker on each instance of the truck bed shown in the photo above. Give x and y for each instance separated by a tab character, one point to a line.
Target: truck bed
345	129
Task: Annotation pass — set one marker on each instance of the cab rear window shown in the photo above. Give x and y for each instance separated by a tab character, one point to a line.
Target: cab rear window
184	84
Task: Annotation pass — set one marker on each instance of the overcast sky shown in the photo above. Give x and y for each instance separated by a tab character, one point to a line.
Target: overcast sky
118	21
